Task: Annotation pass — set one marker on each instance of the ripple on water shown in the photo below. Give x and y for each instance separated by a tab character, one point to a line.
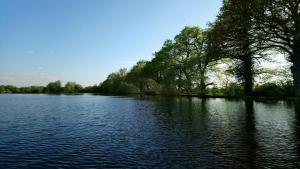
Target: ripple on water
41	131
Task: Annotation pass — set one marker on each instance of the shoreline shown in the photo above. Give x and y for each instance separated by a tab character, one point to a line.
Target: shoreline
283	98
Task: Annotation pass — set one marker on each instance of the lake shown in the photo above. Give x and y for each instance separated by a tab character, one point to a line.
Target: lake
87	131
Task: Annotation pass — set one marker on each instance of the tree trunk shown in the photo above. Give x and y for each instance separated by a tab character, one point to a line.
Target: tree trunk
141	87
179	83
248	74
296	59
189	83
296	72
202	83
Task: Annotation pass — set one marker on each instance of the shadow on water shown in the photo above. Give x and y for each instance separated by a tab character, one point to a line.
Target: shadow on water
183	134
228	132
250	136
214	132
297	130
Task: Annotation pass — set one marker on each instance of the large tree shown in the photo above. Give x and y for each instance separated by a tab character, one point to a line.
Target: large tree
231	36
162	68
182	63
192	57
277	23
136	75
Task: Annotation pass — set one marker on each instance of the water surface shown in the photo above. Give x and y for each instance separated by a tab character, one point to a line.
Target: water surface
50	131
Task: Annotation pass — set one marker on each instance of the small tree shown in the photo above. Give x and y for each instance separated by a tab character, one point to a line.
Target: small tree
72	87
54	87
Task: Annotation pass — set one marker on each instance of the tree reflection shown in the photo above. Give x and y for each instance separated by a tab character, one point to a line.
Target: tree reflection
250	129
297	129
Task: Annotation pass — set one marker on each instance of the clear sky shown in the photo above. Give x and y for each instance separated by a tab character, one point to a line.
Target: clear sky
85	40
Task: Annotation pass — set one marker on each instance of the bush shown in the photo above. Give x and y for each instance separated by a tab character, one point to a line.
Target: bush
126	88
233	89
274	89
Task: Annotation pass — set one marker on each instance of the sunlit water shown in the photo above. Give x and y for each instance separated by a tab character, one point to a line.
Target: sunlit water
45	131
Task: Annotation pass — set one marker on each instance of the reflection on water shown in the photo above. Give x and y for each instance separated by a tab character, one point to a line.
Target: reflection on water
297	131
41	131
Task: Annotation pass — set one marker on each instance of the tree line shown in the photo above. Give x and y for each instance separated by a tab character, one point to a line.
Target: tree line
51	88
244	33
221	60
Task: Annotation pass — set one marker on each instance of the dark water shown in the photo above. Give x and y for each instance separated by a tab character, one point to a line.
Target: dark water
42	131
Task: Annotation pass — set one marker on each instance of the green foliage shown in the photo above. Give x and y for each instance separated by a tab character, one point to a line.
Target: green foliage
14	89
231	36
2	89
180	66
136	76
91	89
116	84
275	89
189	57
215	92
188	64
32	89
152	87
54	87
162	67
9	89
233	89
277	23
72	87
244	30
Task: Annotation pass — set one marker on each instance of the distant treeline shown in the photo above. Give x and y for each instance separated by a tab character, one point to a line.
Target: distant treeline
51	88
121	86
222	60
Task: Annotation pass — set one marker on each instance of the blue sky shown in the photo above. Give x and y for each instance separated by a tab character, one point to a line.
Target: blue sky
85	40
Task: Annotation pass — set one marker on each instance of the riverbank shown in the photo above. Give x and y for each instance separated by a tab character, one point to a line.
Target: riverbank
205	97
176	95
